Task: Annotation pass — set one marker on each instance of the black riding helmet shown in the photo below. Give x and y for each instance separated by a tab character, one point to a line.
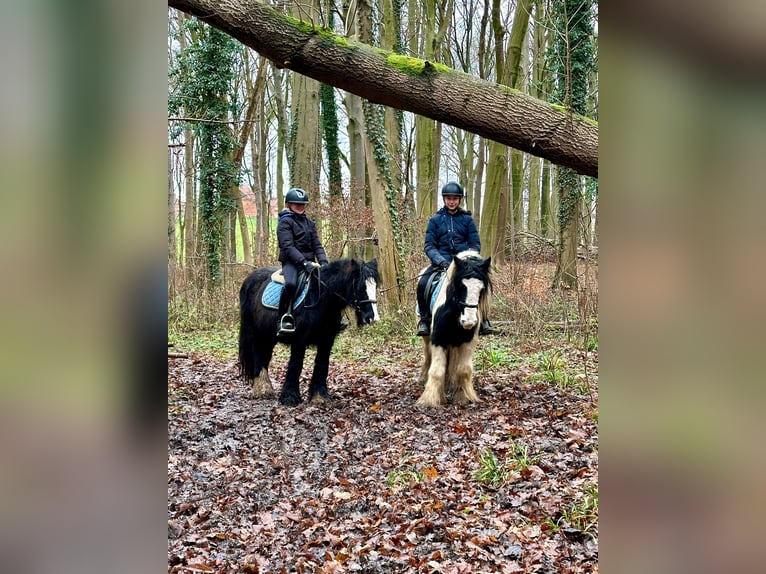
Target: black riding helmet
453	188
296	195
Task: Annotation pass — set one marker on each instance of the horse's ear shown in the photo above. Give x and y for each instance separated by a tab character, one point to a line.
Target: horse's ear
486	264
373	264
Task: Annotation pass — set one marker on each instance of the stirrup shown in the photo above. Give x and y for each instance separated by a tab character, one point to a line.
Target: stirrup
286	324
424	329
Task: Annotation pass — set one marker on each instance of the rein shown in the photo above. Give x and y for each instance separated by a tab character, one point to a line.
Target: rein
404	282
355	303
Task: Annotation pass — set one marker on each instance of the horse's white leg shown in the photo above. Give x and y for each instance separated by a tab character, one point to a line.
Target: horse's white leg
433	394
262	387
426	361
461	365
450	378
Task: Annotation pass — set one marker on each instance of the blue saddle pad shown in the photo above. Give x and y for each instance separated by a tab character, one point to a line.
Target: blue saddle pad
434	291
273	292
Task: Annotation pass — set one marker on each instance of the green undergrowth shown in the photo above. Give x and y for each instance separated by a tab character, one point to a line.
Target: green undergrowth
219	343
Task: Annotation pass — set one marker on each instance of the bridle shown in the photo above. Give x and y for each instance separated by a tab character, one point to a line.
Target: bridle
465	305
355	303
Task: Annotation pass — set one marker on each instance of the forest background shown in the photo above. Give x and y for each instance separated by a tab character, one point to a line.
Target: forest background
84	220
243	129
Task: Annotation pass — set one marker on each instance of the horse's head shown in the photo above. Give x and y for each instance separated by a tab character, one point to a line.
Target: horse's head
365	293
469	274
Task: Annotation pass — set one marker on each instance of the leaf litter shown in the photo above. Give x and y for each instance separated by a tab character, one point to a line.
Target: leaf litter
369	482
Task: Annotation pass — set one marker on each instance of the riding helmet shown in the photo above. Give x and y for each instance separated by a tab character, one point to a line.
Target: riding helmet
453	188
296	195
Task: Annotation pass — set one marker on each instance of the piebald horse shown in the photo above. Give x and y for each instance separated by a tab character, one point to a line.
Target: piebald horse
461	302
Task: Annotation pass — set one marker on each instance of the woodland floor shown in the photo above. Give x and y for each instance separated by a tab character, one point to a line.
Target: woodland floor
370	482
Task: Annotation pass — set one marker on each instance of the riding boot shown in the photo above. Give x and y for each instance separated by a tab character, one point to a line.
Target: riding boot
486	327
424	326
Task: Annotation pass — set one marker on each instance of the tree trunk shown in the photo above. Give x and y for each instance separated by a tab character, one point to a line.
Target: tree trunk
435	91
357	172
392	40
573	48
426	144
283	131
546	214
570	200
189	227
253	96
533	214
171	220
478	213
359	25
305	144
190	206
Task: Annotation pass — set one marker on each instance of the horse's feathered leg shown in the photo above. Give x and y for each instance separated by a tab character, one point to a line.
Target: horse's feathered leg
433	394
291	394
262	388
318	386
426	361
460	374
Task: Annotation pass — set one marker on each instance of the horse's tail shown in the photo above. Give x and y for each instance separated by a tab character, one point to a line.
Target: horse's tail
247	294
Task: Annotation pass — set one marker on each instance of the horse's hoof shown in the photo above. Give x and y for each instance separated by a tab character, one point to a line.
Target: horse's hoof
421	402
319	398
289	400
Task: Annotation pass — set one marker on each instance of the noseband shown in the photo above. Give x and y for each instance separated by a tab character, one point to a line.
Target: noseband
357	302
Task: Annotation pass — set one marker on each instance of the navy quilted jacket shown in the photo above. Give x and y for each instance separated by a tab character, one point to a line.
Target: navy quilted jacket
448	235
298	239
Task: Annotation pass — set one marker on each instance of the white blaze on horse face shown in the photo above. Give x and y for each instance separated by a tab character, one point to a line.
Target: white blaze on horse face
371	292
470	315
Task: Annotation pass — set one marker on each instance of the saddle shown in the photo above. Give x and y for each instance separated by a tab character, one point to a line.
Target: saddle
433	283
273	291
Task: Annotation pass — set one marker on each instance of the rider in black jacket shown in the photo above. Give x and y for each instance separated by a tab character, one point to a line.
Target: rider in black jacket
299	247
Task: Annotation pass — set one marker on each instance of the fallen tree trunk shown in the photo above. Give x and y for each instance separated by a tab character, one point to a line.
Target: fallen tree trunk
490	110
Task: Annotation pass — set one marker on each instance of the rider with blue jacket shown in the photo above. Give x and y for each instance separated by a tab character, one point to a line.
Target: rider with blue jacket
450	231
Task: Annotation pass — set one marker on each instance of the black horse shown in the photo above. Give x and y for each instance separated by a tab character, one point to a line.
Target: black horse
341	283
462	300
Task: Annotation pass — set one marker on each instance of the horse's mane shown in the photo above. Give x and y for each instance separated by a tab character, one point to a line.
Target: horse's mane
344	269
473	266
343	275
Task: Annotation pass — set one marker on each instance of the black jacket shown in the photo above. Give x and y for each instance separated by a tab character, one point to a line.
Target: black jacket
448	235
298	239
